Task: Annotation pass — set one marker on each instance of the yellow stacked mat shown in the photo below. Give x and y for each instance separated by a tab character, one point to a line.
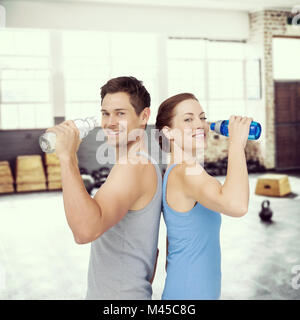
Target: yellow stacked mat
6	178
30	175
53	171
274	185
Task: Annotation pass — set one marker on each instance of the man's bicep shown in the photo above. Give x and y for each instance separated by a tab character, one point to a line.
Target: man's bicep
115	197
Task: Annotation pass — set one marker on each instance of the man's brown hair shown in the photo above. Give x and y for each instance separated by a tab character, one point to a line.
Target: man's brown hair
139	96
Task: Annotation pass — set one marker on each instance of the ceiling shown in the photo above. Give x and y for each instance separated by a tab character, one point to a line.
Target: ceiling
240	5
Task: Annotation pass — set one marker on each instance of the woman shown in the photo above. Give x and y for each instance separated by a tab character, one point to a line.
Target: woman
193	200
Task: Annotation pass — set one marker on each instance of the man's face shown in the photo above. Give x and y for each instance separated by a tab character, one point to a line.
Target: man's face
119	118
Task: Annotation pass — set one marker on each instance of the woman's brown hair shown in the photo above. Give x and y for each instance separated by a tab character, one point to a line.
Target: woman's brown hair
165	113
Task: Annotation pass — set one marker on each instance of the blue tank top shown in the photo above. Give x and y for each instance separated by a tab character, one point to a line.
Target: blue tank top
194	254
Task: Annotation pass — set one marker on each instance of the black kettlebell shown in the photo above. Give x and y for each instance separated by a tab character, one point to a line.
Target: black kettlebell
266	213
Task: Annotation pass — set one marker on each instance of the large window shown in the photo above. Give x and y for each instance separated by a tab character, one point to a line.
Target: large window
186	67
92	58
86	66
47	73
137	55
25	91
217	72
59	73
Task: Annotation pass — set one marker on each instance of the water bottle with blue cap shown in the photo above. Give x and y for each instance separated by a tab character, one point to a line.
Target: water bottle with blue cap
221	127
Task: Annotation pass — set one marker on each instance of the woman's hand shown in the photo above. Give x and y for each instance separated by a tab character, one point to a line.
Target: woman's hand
67	139
238	130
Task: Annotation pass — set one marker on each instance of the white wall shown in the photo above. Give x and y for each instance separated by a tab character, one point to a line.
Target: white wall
232	25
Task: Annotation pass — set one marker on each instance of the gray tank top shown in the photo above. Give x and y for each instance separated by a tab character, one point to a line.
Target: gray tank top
122	259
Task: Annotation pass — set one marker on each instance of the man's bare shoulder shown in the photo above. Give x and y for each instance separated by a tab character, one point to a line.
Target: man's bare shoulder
133	168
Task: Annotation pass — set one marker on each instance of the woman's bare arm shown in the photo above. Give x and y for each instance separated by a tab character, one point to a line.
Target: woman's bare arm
233	197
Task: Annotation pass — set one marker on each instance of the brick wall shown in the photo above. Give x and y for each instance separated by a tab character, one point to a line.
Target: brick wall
218	149
264	25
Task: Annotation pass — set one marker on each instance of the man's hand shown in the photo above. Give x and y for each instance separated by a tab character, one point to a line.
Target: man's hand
67	139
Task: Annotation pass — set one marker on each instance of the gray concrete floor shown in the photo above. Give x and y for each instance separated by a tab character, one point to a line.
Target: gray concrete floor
40	260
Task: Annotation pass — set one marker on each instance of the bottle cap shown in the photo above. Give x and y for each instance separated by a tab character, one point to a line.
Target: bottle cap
212	126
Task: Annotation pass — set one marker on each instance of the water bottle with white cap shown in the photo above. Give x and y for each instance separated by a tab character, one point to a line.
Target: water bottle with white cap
48	139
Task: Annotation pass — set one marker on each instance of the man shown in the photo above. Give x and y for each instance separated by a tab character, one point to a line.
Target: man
122	220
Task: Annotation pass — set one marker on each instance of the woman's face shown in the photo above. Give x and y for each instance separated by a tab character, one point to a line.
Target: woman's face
189	127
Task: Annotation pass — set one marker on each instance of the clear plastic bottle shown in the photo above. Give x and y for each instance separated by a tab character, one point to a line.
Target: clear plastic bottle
221	127
48	139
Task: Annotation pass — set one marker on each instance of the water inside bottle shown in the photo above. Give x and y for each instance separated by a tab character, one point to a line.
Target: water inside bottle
47	142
